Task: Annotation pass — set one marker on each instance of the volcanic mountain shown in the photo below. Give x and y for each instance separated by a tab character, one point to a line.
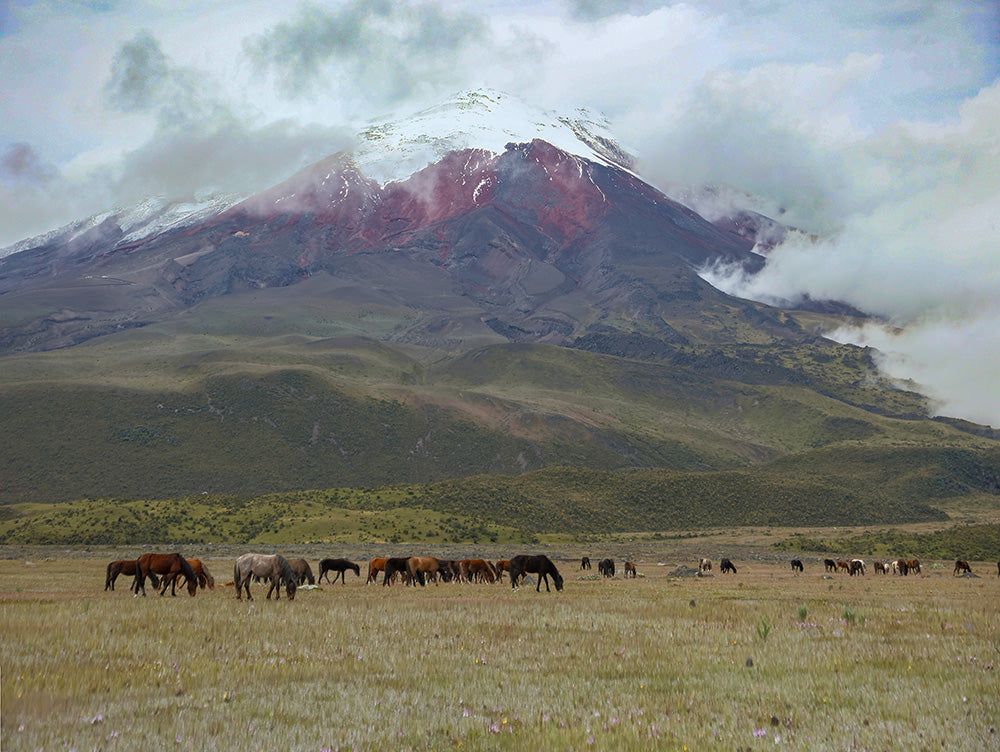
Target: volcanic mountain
509	306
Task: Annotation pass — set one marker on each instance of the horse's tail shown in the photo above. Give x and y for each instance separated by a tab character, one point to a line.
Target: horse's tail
107	577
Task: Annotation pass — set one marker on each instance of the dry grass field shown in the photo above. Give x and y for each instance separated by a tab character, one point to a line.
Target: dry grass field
762	659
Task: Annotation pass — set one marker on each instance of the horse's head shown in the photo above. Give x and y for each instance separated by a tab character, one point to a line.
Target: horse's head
192	584
290	588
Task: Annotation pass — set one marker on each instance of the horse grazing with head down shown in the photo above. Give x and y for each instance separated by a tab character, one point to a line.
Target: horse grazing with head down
540	565
726	566
961	567
272	567
857	566
503	565
606	567
630	570
399	565
704	565
124	567
303	572
339	567
169	566
797	565
585	562
201	573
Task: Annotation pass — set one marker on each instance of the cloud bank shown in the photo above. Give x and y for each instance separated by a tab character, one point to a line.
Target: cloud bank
870	127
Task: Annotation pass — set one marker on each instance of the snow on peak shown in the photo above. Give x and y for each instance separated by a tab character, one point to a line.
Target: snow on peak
479	119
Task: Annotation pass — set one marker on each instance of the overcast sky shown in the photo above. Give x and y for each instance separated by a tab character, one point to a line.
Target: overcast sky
873	126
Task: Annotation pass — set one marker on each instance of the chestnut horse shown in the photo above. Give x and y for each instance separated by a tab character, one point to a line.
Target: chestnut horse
201	572
503	565
630	570
374	567
476	570
428	568
540	565
339	567
170	566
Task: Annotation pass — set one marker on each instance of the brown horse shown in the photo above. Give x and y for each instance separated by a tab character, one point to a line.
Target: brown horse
423	568
503	565
585	562
830	564
205	578
303	572
339	567
857	567
476	570
124	567
913	565
540	565
880	568
374	567
272	567
170	566
961	567
399	565
704	565
630	570
726	566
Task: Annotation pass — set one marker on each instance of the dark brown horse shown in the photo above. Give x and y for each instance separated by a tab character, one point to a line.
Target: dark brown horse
961	567
830	564
606	567
170	567
205	578
303	572
399	565
339	567
726	566
272	567
124	567
540	565
585	562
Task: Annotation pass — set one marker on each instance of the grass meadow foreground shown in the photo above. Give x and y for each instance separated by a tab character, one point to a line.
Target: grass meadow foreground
758	660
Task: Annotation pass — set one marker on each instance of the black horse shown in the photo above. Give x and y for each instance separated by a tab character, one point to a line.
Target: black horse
340	567
797	565
540	565
585	562
606	567
400	565
726	566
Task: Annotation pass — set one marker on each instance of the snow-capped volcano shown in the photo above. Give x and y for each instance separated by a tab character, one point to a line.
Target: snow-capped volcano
481	119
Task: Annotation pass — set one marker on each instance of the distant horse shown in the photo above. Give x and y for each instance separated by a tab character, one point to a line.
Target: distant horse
127	568
340	567
630	570
585	562
913	565
830	564
606	567
204	577
272	567
503	565
961	567
476	570
998	569
303	572
797	565
374	567
726	566
704	565
843	565
880	568
429	568
540	565
399	565
857	566
170	566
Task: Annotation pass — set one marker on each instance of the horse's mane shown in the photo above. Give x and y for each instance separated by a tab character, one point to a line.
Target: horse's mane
186	569
287	575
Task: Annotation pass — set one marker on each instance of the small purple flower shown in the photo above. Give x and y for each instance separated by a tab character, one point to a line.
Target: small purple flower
759	732
494	728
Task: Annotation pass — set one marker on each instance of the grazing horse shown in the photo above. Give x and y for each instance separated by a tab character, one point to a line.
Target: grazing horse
340	567
726	566
913	565
540	565
399	565
961	567
857	566
272	567
585	562
374	567
843	565
606	567
797	565
901	567
830	564
429	568
476	570
503	565
704	565
880	568
170	566
303	572
127	568
630	570
205	578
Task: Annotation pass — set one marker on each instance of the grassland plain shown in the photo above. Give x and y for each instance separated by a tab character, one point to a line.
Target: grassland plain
759	660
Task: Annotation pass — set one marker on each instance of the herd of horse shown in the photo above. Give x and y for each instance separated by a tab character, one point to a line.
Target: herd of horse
164	570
